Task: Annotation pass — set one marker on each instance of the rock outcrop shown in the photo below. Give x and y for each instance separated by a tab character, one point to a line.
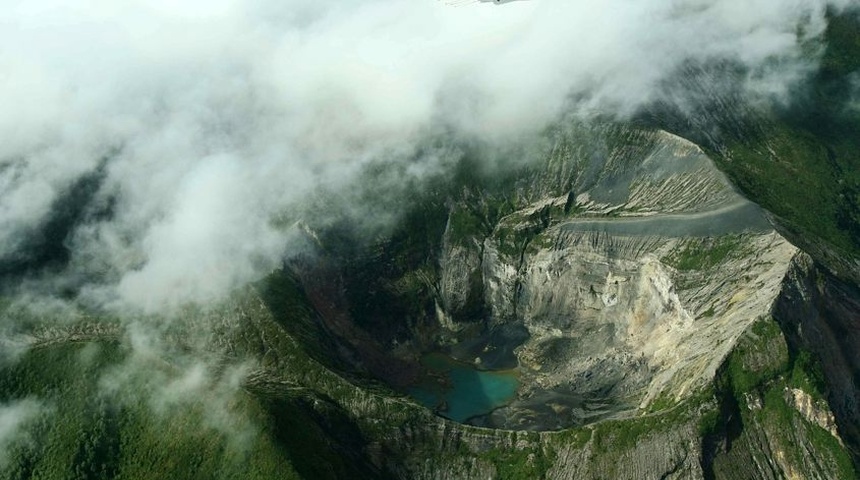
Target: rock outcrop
635	291
659	326
634	284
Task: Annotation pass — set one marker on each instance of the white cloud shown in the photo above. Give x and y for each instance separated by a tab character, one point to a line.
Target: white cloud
191	381
14	417
225	113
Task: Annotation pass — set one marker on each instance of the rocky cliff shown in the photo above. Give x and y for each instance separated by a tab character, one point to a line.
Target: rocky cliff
635	291
659	326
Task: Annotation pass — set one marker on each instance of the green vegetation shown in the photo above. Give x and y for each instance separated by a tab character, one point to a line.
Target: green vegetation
108	412
806	375
621	435
663	414
803	164
800	160
663	401
709	423
84	432
800	180
575	437
790	430
519	464
292	310
762	357
518	233
464	223
759	357
753	386
311	423
704	254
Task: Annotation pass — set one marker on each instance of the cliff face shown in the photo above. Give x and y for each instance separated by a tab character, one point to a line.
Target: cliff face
616	330
762	417
821	314
659	325
633	284
635	291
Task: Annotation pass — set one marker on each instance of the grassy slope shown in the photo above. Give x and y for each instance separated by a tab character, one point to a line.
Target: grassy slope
756	425
612	439
803	163
324	431
87	431
87	434
804	166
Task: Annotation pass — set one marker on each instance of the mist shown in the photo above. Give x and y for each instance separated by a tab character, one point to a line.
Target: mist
159	155
14	419
202	124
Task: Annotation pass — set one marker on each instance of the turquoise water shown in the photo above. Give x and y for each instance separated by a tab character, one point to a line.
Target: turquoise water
465	391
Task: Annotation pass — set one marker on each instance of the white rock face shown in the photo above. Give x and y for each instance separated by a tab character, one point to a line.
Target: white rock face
814	411
625	310
640	292
459	264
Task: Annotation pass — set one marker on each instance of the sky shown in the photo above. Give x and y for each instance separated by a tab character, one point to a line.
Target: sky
206	121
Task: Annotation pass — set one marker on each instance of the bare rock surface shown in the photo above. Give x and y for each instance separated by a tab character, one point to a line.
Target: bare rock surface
632	287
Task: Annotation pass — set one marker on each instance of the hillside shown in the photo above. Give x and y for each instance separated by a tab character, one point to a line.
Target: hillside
659	271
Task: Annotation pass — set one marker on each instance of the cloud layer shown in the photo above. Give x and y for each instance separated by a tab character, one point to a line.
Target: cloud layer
208	120
14	419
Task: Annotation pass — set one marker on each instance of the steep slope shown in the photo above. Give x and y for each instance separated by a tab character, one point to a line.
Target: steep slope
619	273
308	422
821	314
618	270
629	300
798	156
